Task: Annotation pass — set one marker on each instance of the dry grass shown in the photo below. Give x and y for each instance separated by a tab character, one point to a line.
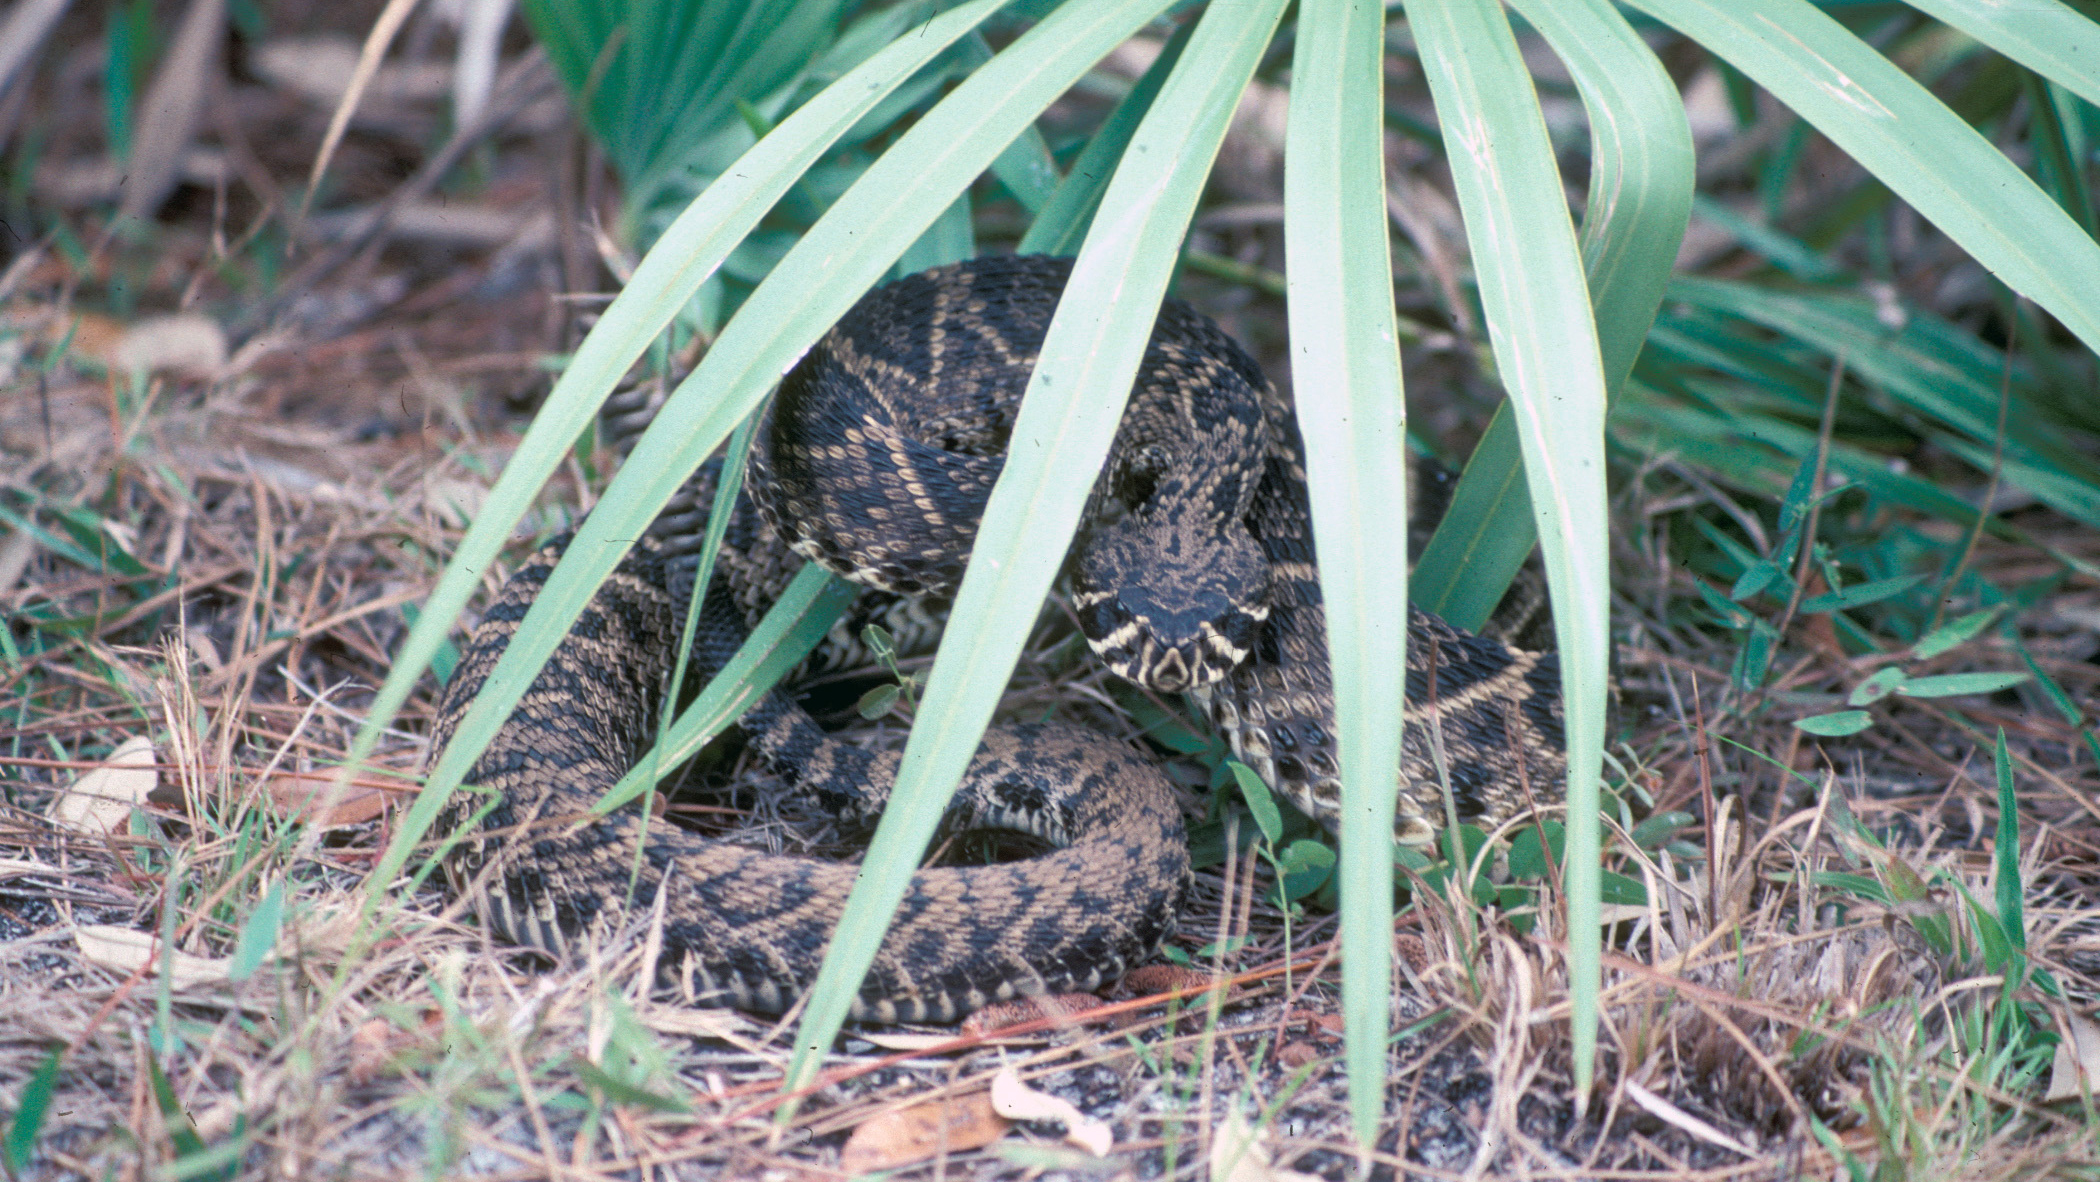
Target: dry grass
225	566
1751	1002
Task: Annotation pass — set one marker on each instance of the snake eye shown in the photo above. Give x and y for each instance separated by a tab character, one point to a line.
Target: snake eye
1099	618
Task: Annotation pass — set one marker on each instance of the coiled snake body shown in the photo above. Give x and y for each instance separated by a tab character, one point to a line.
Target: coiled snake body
1194	571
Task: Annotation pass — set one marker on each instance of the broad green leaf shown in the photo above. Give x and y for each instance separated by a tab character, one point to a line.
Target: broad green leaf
1622	891
1641	186
1530	273
1658	830
878	702
1260	801
1844	722
1345	366
1954	685
1528	855
1761	574
1955	633
1306	865
1859	595
1067	420
1884	682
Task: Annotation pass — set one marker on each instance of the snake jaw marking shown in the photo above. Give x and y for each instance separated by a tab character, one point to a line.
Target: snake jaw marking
875	459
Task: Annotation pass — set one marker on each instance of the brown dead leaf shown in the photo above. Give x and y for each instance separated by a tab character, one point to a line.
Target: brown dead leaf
1015	1100
372	1048
127	950
906	1040
188	344
322	67
314	801
1296	1054
87	334
903	1136
2078	1055
101	800
1315	1023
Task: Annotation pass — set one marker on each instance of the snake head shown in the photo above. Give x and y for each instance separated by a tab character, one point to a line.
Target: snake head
1171	608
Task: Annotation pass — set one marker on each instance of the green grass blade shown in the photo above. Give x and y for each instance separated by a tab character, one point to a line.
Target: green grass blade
29	1117
2052	39
1911	141
2058	151
1641	184
1345	365
1530	272
2006	852
1067	419
258	934
1922	363
666	279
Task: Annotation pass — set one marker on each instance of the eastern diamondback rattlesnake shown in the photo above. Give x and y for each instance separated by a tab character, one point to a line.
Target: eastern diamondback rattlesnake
1194	571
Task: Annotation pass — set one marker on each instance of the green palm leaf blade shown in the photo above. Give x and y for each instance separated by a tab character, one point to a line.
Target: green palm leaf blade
689	251
813	285
1345	367
1530	272
2052	39
1641	184
1067	420
1911	141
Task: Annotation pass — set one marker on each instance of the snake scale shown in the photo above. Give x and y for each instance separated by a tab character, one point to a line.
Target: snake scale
1193	572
